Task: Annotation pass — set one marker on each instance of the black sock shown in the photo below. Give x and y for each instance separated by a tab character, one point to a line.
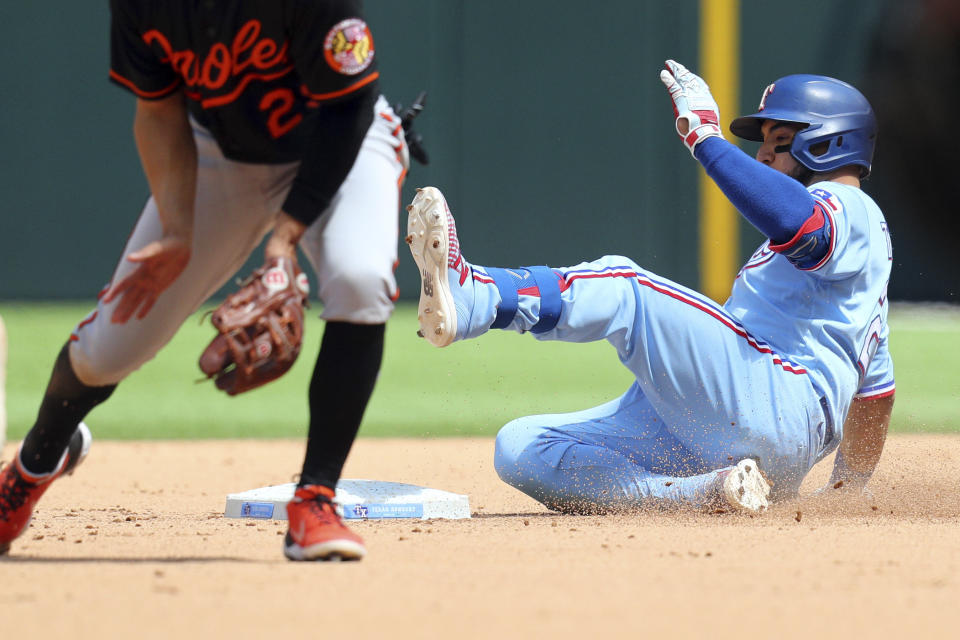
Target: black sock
343	379
66	402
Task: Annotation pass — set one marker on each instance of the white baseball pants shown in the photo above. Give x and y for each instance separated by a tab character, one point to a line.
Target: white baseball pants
352	247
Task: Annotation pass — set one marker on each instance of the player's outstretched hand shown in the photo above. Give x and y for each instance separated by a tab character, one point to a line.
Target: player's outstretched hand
160	263
696	112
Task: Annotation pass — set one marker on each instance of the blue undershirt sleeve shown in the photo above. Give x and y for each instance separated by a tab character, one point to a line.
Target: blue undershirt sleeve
774	203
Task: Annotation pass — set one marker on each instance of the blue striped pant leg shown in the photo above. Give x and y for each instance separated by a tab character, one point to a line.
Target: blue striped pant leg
615	456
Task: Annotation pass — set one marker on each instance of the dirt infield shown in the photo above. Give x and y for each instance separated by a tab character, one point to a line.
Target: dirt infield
135	546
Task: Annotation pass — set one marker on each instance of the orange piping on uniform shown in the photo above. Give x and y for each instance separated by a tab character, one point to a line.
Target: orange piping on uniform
90	318
342	92
396	292
143	94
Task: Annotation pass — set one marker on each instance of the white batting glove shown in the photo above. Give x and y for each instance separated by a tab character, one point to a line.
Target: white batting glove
697	113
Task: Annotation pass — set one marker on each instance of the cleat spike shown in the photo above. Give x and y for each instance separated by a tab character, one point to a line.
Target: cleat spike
431	236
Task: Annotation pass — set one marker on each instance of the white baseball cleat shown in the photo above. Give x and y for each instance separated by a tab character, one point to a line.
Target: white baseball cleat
432	236
745	489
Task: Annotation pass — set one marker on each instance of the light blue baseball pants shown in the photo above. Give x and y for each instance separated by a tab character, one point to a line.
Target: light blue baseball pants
707	393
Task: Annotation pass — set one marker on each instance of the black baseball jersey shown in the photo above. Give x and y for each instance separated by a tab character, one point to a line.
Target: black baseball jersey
253	71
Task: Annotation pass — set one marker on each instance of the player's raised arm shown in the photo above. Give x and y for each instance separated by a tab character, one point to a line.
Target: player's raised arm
777	205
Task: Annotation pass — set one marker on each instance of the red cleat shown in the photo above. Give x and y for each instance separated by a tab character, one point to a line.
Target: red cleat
316	530
20	490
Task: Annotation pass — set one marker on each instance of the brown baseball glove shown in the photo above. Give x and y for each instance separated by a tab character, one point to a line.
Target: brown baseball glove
260	328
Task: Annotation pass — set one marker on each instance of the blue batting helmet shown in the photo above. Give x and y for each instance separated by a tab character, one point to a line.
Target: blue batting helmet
834	112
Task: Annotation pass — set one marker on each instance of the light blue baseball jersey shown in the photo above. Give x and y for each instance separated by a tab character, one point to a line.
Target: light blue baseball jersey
829	317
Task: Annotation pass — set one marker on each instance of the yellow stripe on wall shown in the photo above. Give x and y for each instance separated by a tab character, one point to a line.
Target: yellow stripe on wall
719	221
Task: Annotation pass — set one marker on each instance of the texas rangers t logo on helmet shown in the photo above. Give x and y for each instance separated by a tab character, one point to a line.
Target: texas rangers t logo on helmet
766	92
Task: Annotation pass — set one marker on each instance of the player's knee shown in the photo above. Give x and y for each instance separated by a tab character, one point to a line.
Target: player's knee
519	462
104	367
512	442
358	295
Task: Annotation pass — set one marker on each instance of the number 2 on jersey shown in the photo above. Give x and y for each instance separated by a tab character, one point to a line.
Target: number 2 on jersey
872	342
284	101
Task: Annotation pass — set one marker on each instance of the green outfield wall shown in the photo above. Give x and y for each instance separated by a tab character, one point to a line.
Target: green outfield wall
547	127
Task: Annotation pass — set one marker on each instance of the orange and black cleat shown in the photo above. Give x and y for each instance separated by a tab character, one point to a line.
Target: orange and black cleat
316	529
20	489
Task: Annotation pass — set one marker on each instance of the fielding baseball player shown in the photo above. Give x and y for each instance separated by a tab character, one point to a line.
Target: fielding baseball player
728	400
251	117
